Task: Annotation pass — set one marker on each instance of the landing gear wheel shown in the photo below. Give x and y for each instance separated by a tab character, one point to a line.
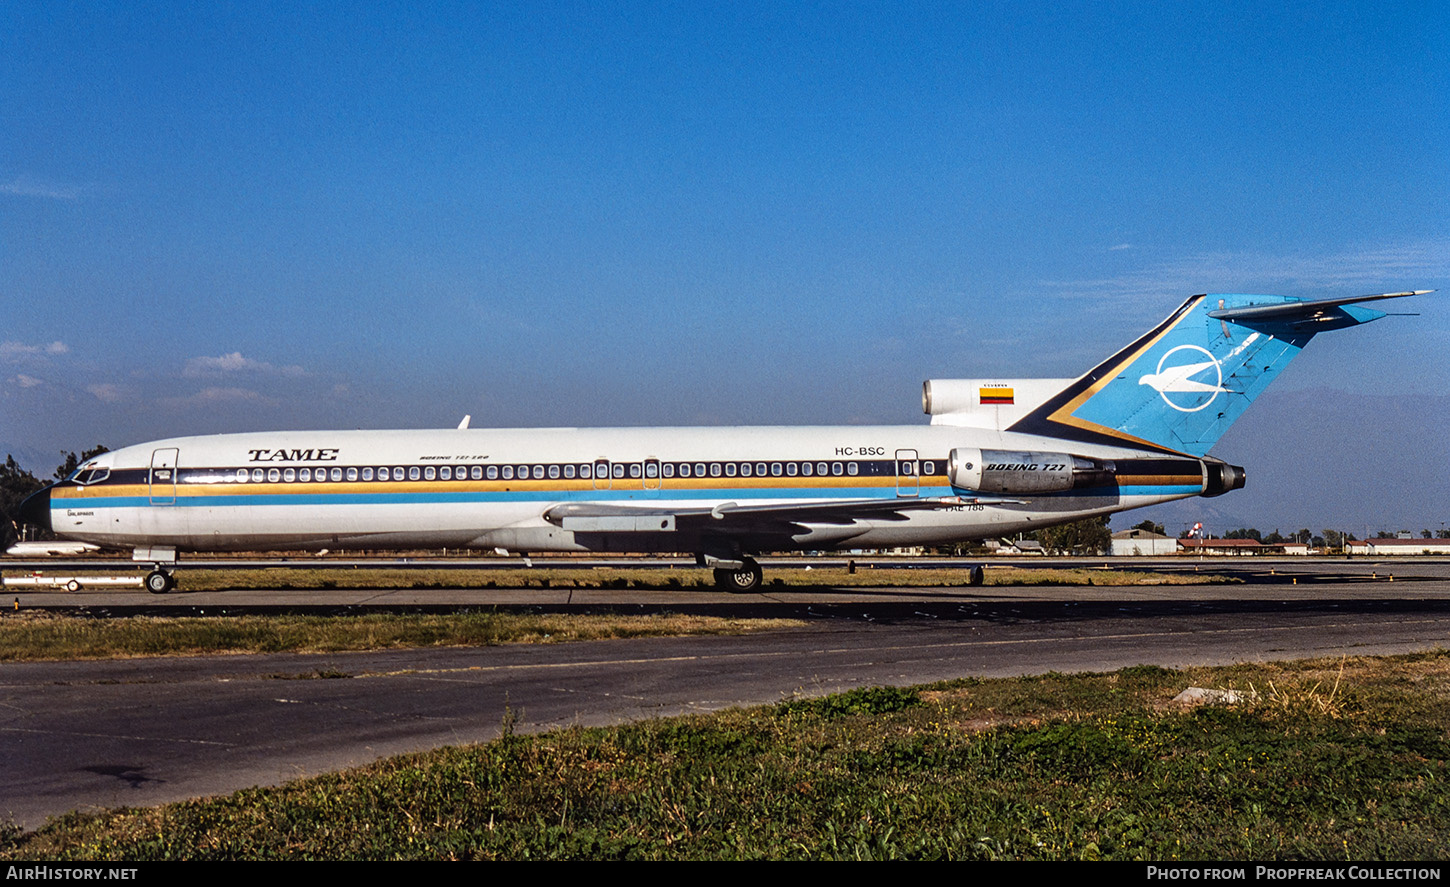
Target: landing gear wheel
159	582
741	581
73	585
975	576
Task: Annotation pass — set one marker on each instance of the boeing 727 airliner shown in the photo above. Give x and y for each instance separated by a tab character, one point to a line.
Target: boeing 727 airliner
1000	456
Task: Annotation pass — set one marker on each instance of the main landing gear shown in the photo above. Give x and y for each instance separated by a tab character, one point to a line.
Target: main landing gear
739	580
159	581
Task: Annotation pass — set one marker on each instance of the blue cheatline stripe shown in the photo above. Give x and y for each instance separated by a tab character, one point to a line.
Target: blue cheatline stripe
1127	490
1181	490
465	497
640	496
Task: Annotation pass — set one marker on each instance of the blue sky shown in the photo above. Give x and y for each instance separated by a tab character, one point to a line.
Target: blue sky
223	217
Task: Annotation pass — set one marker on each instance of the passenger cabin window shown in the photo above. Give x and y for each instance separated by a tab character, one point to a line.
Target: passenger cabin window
273	475
413	473
618	470
445	473
634	469
476	472
351	474
553	472
367	474
258	475
305	474
241	475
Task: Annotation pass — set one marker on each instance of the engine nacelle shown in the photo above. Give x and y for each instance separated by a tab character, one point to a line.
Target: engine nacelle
1222	478
1013	472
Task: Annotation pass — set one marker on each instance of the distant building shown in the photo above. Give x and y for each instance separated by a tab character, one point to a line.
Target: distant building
1016	547
1142	543
1391	547
1219	547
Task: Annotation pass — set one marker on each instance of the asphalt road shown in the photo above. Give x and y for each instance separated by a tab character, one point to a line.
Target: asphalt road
141	732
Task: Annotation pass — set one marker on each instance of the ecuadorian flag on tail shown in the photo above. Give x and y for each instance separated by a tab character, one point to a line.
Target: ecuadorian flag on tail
1000	394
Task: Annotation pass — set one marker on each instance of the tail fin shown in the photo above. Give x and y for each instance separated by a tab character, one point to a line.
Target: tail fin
1182	384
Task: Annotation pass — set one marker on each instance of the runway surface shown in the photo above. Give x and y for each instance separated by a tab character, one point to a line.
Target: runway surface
141	732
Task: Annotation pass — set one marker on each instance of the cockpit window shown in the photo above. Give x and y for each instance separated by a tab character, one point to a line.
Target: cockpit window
89	474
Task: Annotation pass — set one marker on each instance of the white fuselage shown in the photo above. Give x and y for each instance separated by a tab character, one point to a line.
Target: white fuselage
487	488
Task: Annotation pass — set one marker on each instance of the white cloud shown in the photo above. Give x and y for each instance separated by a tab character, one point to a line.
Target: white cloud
14	351
198	367
1354	271
25	186
106	391
25	381
220	396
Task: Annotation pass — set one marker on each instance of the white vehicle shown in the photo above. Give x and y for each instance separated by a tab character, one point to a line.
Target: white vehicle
999	457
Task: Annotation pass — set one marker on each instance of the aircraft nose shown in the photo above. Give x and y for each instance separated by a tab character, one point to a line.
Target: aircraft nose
35	509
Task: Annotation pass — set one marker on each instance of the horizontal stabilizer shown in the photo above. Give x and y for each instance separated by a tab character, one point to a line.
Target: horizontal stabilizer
1292	311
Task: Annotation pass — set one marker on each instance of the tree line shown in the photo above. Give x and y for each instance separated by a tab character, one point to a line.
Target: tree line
16	483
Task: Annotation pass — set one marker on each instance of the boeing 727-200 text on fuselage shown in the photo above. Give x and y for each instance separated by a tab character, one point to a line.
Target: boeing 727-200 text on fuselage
1000	456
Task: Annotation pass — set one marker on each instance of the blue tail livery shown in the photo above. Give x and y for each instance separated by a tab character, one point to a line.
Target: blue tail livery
1180	386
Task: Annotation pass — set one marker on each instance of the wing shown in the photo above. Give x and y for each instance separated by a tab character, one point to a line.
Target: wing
733	518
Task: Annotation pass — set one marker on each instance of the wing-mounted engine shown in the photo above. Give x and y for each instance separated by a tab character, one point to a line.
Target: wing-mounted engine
1016	472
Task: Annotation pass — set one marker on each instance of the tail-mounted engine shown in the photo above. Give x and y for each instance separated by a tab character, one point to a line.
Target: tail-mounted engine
1221	477
1009	471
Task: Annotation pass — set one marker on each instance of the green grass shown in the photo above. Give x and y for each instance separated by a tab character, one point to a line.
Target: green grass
1331	761
30	636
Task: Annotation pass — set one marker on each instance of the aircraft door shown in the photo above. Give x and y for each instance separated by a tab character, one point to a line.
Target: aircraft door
163	476
908	474
652	477
602	480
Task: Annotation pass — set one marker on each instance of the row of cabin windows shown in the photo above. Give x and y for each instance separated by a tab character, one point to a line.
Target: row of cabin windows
569	471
